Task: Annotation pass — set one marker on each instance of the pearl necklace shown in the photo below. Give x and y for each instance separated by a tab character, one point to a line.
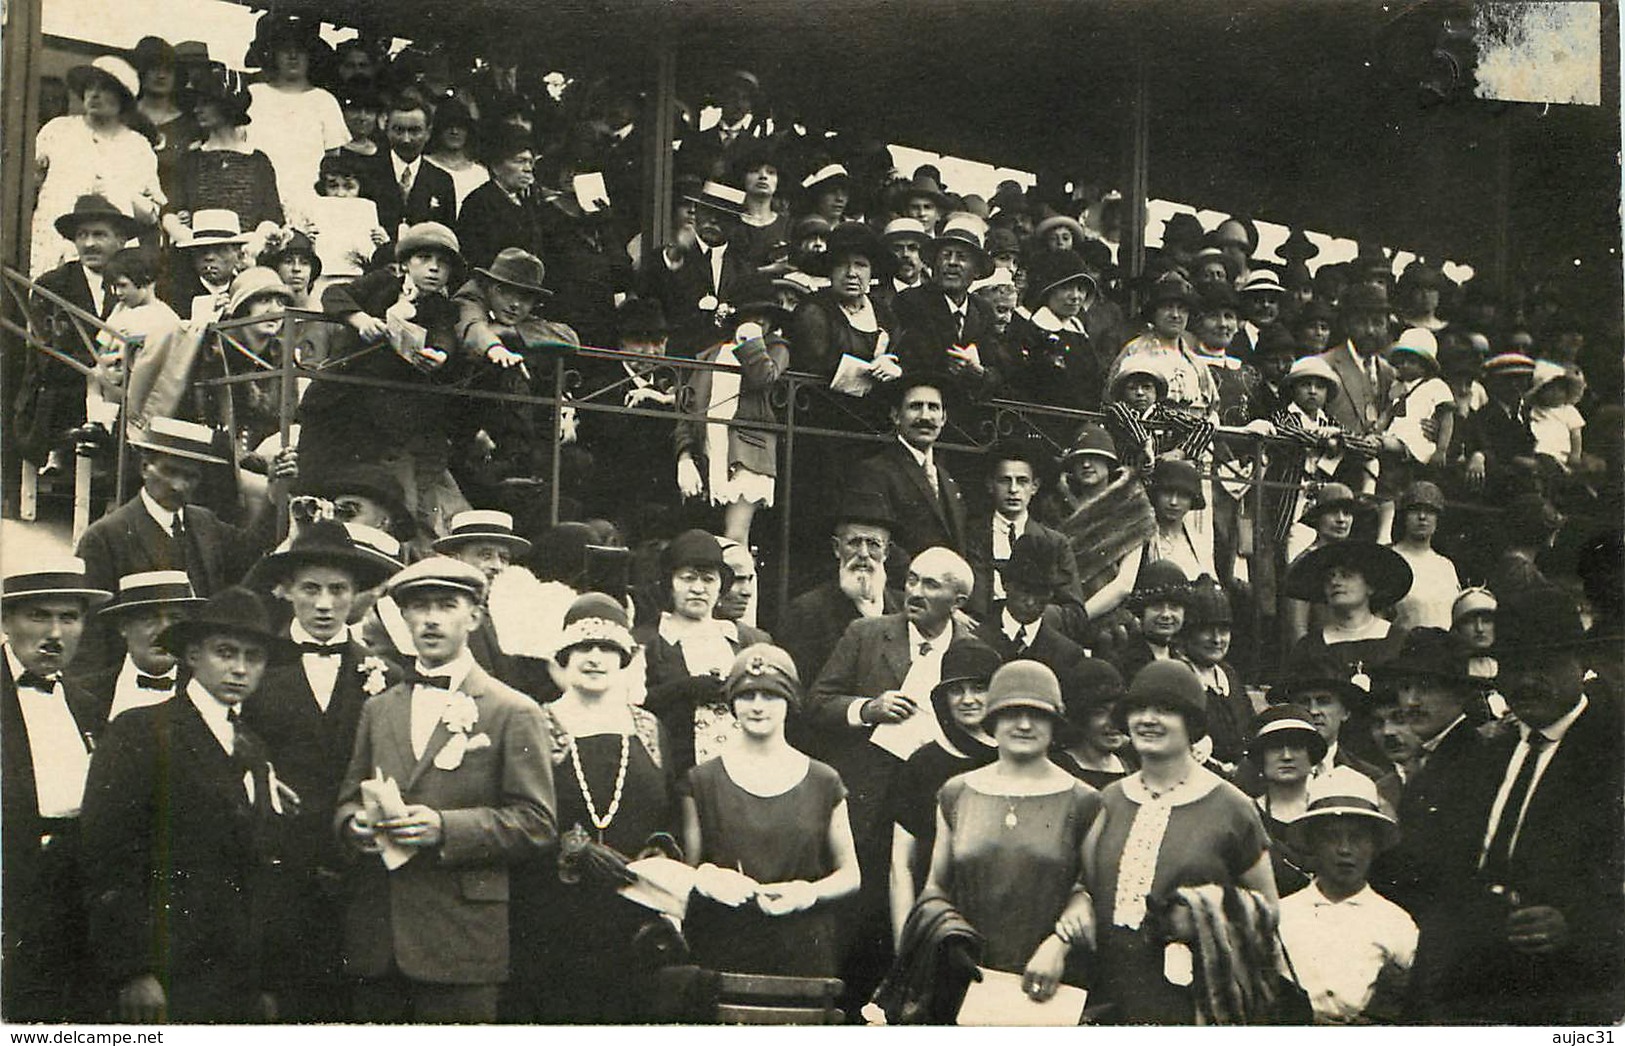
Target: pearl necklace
601	823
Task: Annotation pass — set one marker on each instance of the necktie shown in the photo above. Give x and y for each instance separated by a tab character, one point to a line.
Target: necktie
35	681
1499	853
406	181
1010	534
1021	638
416	678
925	648
183	553
1371	370
321	649
146	682
234	719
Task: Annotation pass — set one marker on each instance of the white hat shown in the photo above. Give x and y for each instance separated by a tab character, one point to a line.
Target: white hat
1262	281
1002	277
1342	792
1421	342
212	227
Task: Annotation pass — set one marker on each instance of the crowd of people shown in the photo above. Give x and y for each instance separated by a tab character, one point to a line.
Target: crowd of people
1268	673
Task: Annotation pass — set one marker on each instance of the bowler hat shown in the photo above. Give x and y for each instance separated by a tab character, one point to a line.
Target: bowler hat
51	576
1284	724
1023	684
427	235
1428	653
234	611
1386	573
765	668
1177	474
98	208
1341	792
482	525
153	588
865	506
1166	684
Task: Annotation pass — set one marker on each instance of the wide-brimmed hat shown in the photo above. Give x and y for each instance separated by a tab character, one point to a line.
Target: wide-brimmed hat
213	227
518	268
1092	440
1140	366
695	548
373	482
1533	621
1000	277
850	238
906	229
1312	367
596	618
718	197
1208	604
1285	724
95	208
482	525
439	572
764	668
826	174
153	588
1023	684
1297	247
1183	231
1421	343
256	281
1385	571
1330	496
1341	792
181	439
234	611
1177	474
1428	653
922	184
110	69
1052	270
274	29
327	542
1166	684
55	576
1421	494
1548	373
431	234
1060	221
864	506
1363	297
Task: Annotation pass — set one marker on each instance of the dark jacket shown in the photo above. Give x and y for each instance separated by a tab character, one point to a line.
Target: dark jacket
681	290
490	220
820	334
927	329
937	955
813	622
1049	647
924	517
979	554
433	197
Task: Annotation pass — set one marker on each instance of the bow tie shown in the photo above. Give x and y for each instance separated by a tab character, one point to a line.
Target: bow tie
35	681
146	682
321	649
416	678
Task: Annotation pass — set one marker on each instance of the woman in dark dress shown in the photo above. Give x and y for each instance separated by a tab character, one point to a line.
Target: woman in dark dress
1009	847
1351	580
501	213
768	830
573	953
1286	748
1052	360
1093	749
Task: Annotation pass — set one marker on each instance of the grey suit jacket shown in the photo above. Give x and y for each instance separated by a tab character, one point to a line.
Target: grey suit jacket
1357	406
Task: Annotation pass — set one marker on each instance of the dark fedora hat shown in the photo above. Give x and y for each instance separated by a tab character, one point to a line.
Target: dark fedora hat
1364	297
517	267
864	506
1183	231
1537	621
90	208
325	542
1428	653
153	588
1306	676
1034	565
641	316
234	611
1385	571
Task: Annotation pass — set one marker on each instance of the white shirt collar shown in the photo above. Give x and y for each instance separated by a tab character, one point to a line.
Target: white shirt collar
901	285
1360	899
1555	731
1012	626
1046	320
962	309
938	643
402	166
301	634
215	713
1004	523
160	515
923	460
457	668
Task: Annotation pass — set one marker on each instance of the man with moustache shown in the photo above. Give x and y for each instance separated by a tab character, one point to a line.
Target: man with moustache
908	240
923	498
942	329
147	604
306	711
1364	373
813	622
45	730
182	816
869	710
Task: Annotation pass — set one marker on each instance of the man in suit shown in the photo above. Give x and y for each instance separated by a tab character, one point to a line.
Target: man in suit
410	190
182	813
815	620
1497	434
45	729
1432	690
50	397
146	605
1012	483
428	938
869	710
702	270
1527	928
943	329
485	539
306	711
1020	628
924	499
207	258
1359	363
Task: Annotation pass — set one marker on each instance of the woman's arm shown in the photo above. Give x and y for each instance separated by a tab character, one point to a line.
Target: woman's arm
691	831
1446	417
940	879
846	877
1112	594
1261	878
901	883
1576	443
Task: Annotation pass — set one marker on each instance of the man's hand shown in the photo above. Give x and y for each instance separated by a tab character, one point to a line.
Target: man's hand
965	357
369	328
420	827
362	835
378	236
885	368
1537	930
428	358
503	356
893	706
285	466
1475	471
141	1001
649	396
1430	429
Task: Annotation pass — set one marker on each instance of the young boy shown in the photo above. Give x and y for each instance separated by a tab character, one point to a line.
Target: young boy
1350	947
1418	395
214	247
1144	428
1554	420
138	321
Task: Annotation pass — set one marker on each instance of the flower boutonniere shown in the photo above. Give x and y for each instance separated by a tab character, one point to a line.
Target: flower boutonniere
460	716
374	679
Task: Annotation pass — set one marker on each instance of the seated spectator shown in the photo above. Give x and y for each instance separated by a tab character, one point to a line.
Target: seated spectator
138	323
1529	525
845	319
1285	749
1051	357
211	255
1158	601
939	325
589	269
1350	947
1204	645
1273	357
1416	520
291	254
1353	580
1094	749
1175	490
1418	403
1022	626
825	193
94	153
221	170
343	222
363	109
1472	621
908	241
1314	450
454	146
1330	519
1012	484
1312	327
1554	420
1499	433
1171	347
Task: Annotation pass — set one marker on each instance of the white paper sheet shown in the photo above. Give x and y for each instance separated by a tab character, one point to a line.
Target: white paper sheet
382	797
663	885
852	376
997	1001
591	194
344	241
915	732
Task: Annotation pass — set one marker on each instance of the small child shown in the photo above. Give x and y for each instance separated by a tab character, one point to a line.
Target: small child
1350	947
1145	428
1553	418
1417	395
139	322
1323	452
342	223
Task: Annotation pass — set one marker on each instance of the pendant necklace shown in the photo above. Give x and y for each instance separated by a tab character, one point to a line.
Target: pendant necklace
601	823
1010	818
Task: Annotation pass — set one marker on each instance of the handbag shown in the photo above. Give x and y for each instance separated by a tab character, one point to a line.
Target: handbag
1292	1006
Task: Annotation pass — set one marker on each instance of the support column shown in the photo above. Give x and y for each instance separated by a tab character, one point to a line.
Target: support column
20	47
1131	252
659	118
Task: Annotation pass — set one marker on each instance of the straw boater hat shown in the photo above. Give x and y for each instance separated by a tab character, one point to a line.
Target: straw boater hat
1385	571
57	576
596	618
719	197
966	230
482	525
906	230
180	439
234	611
99	208
213	227
153	588
826	174
1342	792
1262	281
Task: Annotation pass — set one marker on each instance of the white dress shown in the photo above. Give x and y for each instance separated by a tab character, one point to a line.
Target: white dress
118	164
294	129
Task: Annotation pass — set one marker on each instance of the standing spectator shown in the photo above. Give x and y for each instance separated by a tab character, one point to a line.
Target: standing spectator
147	604
1052	359
1500	432
183	814
940	325
701	270
211	255
1332	701
1529	525
765	221
1353	580
95	153
429	940
222	171
1170	347
295	122
908	240
1176	491
1021	625
1009	839
1094	750
1145	427
44	759
845	318
1286	750
1012	484
1364	376
768	829
1204	645
413	191
454	146
1472	622
1160	595
1436	584
1105	516
924	499
162	104
1554	420
1169	824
